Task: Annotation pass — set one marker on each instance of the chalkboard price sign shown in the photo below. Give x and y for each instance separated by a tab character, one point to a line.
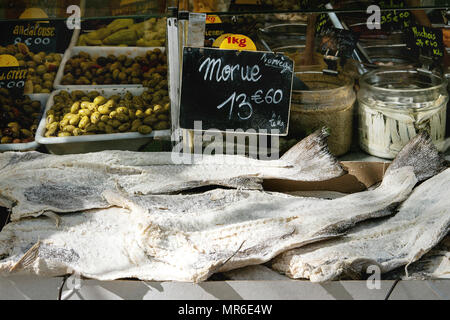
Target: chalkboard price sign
47	36
339	41
13	79
395	19
426	41
229	90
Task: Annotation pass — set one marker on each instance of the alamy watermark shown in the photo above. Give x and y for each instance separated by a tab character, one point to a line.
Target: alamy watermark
261	144
74	21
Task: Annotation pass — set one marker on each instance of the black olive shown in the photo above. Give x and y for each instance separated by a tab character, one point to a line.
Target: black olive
102	61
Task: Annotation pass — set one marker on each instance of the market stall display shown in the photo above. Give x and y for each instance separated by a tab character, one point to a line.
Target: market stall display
100	199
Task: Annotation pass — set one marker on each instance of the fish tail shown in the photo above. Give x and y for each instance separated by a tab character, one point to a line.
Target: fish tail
421	154
314	149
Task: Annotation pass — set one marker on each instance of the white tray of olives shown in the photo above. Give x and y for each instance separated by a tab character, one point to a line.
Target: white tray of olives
80	121
108	67
32	145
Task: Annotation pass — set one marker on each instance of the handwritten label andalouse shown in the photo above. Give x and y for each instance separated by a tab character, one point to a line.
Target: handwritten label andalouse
47	36
227	89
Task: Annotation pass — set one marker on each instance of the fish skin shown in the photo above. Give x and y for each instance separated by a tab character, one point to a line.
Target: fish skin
422	221
173	239
435	264
141	173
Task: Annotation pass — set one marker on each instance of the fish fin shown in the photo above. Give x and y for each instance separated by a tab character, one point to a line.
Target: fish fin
314	149
28	258
421	154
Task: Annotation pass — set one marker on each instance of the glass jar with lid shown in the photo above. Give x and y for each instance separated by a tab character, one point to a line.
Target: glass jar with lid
394	105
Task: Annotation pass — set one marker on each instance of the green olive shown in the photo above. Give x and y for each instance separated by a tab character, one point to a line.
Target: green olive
113	114
150	120
101	125
26	133
163	117
64	134
163	125
85	104
63	123
122	110
124	127
115	123
50	118
75	107
85	112
69	128
104	109
140	114
77	132
6	140
158	109
95	117
109	129
145	129
52	128
104	118
123	117
84	122
74	120
91	127
149	111
135	125
99	100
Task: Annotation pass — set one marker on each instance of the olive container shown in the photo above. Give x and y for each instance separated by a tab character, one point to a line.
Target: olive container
95	52
131	141
29	146
328	102
395	105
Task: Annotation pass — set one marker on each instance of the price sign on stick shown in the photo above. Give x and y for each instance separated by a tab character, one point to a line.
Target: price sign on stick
228	89
425	41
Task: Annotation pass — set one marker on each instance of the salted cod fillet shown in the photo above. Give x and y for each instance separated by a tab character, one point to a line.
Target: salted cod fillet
422	221
33	183
188	237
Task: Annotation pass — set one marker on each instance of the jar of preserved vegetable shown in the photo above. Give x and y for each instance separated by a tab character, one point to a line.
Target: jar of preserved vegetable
328	102
394	105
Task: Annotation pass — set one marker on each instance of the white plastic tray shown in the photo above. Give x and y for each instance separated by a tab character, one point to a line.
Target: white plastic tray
96	52
42	98
131	141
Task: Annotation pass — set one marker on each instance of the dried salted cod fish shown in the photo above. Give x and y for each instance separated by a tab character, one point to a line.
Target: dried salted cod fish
188	238
36	183
422	221
253	232
99	243
173	239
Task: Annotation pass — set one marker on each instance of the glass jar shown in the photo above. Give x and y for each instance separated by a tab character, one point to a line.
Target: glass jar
329	102
394	105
